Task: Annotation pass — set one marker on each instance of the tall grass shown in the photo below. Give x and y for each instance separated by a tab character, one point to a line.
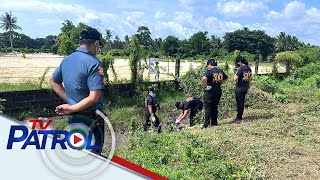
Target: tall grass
18	86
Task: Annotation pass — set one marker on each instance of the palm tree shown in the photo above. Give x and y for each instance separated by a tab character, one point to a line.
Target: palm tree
108	37
9	24
287	43
281	42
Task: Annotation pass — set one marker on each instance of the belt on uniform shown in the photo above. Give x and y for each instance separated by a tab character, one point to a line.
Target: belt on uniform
92	115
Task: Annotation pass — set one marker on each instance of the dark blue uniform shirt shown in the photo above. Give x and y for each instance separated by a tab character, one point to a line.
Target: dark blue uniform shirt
191	103
215	76
244	73
80	72
151	101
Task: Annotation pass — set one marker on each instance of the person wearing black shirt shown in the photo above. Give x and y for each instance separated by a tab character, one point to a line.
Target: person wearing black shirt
151	108
212	81
242	80
192	105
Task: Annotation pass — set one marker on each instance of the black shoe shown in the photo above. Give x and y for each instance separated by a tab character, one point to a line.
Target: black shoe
237	120
146	127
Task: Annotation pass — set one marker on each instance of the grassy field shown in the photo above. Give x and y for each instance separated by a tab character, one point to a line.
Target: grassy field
18	87
279	139
276	140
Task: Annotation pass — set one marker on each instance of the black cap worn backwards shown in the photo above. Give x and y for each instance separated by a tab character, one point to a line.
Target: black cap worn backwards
90	34
212	62
178	105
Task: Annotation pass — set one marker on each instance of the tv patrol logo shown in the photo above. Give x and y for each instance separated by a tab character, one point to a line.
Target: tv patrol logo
65	152
77	138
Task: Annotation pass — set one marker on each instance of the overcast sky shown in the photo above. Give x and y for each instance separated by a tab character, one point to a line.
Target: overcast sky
182	18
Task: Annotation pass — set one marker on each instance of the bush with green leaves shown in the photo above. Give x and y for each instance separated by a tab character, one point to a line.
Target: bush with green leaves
108	61
191	81
305	72
281	97
266	83
313	81
291	58
310	54
292	81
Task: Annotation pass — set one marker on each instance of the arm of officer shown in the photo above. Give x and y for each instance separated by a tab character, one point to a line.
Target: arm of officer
250	79
58	88
236	78
87	102
181	114
184	115
225	78
204	81
56	83
150	109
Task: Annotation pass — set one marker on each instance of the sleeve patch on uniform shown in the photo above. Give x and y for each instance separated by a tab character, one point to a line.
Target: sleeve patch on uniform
100	70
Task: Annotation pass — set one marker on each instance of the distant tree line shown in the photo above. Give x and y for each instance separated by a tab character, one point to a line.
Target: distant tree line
22	42
255	43
199	45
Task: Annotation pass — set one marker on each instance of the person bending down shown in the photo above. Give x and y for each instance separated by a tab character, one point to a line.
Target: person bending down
190	106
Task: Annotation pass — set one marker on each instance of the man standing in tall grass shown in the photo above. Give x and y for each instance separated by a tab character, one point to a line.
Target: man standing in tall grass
82	76
242	80
212	81
152	105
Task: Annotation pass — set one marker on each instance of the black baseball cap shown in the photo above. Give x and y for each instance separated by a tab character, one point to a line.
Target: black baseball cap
90	34
178	105
151	89
212	62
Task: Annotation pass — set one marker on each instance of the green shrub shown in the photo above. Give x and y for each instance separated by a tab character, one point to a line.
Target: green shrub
313	81
108	61
292	81
281	97
191	81
307	71
290	58
266	83
310	54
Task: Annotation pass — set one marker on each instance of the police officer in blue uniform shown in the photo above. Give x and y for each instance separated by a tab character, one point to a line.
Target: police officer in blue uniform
83	81
242	80
212	81
192	105
152	105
